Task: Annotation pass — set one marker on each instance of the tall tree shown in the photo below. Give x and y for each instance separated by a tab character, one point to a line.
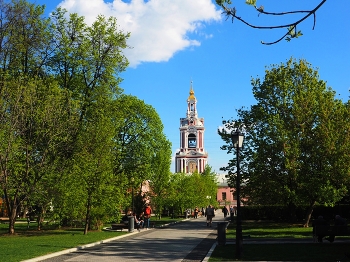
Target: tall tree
24	38
293	135
140	150
191	190
86	62
32	135
138	134
93	164
160	174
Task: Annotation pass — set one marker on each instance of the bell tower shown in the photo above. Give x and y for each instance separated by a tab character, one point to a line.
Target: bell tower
191	156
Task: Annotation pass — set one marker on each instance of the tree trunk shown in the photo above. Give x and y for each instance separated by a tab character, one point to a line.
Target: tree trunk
40	219
309	211
11	211
12	219
87	217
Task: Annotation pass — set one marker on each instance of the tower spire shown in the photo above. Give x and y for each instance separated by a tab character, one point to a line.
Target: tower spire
191	155
191	97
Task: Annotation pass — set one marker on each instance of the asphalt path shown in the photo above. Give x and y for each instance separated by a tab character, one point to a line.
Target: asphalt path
189	240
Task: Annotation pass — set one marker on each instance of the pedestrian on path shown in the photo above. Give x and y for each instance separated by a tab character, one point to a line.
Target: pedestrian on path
209	213
147	216
225	211
196	210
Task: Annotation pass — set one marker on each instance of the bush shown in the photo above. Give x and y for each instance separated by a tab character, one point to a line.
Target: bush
281	213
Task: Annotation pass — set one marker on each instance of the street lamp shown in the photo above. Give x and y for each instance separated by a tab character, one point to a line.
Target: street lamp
237	141
132	195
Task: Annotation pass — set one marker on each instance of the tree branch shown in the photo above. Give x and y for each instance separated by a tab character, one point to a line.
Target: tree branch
231	12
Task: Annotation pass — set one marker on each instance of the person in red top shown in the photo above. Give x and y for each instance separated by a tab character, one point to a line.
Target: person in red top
147	215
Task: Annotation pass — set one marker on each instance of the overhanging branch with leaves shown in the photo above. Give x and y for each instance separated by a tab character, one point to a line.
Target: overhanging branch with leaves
291	27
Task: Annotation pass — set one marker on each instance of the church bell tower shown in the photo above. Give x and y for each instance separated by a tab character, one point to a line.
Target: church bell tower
191	156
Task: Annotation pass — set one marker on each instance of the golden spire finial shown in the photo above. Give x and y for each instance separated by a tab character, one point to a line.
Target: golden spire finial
191	97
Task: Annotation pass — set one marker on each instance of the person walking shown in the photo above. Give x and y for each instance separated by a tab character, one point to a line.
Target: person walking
225	211
231	210
147	216
338	221
320	221
195	212
209	213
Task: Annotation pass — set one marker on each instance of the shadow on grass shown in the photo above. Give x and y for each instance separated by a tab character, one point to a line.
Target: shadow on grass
285	252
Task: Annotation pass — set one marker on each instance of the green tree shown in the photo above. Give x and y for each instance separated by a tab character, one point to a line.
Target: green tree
191	190
140	150
25	38
93	165
32	135
160	174
208	187
86	62
295	144
231	12
87	59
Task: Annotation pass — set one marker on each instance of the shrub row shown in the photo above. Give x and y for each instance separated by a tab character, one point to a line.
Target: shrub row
282	213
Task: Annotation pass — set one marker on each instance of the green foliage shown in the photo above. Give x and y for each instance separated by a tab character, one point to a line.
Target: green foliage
160	174
70	141
295	144
250	2
292	33
186	191
223	2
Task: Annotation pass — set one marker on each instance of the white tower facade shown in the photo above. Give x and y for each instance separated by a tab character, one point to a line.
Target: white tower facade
191	156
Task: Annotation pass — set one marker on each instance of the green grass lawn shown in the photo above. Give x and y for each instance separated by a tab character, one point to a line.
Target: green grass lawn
30	243
270	230
280	251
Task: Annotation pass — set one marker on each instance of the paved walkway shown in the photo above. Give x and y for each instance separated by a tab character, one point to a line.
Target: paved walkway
185	241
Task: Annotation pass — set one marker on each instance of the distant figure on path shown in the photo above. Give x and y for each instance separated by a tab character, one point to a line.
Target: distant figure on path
320	221
338	221
209	213
225	211
195	213
231	211
147	216
235	210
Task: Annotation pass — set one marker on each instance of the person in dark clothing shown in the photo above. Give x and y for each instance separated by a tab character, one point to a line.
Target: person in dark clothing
338	221
210	213
125	219
225	211
195	212
320	221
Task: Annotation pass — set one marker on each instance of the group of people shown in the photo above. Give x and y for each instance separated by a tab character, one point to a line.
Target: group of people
233	211
320	221
142	220
209	213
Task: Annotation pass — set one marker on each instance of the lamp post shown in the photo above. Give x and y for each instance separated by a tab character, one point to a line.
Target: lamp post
237	141
132	195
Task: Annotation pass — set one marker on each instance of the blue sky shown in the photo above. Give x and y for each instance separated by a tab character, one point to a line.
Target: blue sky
178	41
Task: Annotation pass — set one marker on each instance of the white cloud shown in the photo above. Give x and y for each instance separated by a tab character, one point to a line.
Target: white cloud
159	28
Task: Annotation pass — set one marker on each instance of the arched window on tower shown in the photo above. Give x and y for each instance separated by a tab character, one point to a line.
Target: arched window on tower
192	141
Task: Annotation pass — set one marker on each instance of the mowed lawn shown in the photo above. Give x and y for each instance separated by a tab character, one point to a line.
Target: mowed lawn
279	249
